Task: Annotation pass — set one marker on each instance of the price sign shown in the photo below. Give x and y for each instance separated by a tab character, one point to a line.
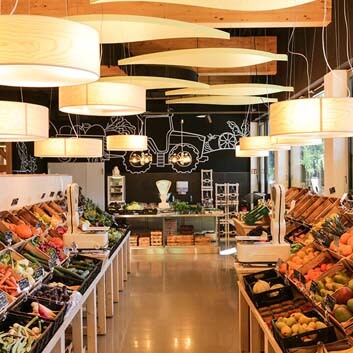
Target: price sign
66	251
299	277
8	238
314	287
3	300
51	264
329	302
54	258
23	283
39	272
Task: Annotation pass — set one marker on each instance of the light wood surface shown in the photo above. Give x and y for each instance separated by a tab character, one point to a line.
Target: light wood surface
116	278
101	308
309	15
109	291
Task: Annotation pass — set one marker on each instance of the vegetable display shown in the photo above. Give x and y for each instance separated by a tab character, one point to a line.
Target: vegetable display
114	235
76	268
20	338
42	311
57	294
95	215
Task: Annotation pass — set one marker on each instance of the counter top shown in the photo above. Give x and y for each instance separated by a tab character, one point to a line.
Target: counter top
168	215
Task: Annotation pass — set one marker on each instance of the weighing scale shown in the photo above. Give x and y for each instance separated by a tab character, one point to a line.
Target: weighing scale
88	237
252	251
163	187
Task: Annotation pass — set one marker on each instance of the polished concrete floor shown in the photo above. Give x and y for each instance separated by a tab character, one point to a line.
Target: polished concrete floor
175	303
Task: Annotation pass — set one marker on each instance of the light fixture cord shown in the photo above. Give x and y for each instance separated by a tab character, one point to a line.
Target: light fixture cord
293	52
14	8
182	140
72	125
324	47
347	34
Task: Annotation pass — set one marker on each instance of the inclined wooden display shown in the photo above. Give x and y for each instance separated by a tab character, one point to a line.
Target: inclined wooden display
102	293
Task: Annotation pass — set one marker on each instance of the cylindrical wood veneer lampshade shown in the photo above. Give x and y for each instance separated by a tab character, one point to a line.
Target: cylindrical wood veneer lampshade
126	143
312	117
41	51
260	143
247	154
69	147
103	99
23	121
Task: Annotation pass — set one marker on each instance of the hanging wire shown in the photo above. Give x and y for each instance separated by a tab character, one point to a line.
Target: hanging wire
347	34
323	41
293	52
73	126
14	8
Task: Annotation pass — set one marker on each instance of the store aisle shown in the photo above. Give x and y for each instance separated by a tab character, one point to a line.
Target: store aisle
176	303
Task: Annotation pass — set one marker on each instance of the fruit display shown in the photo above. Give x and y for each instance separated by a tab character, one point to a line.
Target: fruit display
300	258
302	329
267	288
19	335
284	308
256	215
50	247
299	234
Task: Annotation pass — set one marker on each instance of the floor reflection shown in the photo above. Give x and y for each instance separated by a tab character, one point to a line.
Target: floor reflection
176	303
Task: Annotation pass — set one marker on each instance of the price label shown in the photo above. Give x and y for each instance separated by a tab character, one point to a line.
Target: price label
314	287
329	302
8	238
51	264
299	277
66	251
23	283
39	272
3	300
54	258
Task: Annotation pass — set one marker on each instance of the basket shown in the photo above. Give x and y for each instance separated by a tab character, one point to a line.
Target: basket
24	308
269	297
93	274
333	346
325	335
45	337
36	293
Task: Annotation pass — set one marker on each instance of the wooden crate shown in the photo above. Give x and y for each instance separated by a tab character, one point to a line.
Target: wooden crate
180	240
144	240
202	240
170	226
156	238
133	240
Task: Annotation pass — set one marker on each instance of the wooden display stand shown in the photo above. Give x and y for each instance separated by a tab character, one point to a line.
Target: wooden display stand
99	300
254	335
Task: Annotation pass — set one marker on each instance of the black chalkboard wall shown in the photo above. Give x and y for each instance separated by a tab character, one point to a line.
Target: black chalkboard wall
211	145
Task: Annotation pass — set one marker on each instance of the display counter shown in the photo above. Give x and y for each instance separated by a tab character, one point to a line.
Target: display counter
168	225
99	299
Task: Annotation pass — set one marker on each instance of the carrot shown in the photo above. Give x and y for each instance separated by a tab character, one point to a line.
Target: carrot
6	276
6	288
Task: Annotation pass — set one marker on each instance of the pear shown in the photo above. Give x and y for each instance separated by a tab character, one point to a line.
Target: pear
311	326
304	320
295	329
280	324
291	321
286	331
319	325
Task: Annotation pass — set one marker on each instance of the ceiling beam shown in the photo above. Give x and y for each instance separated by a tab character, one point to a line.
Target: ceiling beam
268	43
309	15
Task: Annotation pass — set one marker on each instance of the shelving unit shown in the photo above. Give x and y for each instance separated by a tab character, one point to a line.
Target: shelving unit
207	187
227	200
116	189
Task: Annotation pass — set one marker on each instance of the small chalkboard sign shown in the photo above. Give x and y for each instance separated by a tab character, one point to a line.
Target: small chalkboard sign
3	300
51	264
39	272
329	302
52	193
299	277
8	238
43	195
23	283
59	193
66	251
14	202
54	258
314	287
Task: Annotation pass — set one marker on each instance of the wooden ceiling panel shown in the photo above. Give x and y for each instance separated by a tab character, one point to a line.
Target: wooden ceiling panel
309	15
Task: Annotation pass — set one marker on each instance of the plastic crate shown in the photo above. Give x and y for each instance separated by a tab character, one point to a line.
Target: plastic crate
324	335
24	308
271	296
45	337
